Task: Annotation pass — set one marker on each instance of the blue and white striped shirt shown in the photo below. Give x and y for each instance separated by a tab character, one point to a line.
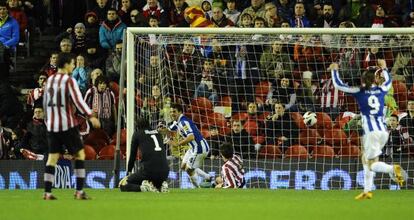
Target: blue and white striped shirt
371	102
186	127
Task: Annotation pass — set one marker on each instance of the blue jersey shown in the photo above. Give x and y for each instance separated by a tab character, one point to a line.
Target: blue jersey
187	127
371	102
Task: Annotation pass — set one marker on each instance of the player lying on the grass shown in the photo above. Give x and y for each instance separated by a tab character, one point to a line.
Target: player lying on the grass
62	127
154	169
232	172
370	98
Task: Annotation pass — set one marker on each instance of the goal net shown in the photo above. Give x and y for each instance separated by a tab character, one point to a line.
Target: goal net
270	93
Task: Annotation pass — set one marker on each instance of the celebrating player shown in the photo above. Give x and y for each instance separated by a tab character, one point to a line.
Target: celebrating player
232	172
370	98
154	166
194	156
61	92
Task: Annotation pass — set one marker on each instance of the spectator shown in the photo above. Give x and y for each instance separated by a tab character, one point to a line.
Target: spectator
153	105
214	139
259	22
50	67
271	15
101	10
328	19
35	139
257	9
94	55
242	141
17	12
305	98
137	20
284	9
176	14
101	100
91	25
196	17
153	21
206	7
399	139
154	8
94	75
219	19
207	87
35	96
407	118
9	38
282	92
280	128
124	11
81	73
113	63
77	37
5	142
300	20
274	62
231	11
111	30
246	21
65	45
331	99
350	61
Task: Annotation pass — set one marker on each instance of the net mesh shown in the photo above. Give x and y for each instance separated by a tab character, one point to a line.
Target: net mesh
254	89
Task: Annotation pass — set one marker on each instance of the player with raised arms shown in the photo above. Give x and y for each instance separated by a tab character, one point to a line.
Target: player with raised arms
370	98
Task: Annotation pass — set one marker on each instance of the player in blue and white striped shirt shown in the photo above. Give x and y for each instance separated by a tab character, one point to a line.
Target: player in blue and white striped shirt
194	156
370	98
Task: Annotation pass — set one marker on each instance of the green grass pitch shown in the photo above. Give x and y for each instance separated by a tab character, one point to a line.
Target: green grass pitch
212	204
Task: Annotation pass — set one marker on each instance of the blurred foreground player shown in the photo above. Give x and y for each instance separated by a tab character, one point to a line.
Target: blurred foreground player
154	168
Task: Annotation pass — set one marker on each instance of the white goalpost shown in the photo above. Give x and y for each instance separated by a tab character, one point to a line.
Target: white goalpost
230	77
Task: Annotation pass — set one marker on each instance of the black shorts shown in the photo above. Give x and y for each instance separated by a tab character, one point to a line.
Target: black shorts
59	141
155	177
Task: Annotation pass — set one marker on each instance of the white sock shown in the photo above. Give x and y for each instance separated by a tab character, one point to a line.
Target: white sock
202	173
381	167
368	179
194	179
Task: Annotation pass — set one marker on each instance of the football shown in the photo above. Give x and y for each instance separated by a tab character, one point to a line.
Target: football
309	118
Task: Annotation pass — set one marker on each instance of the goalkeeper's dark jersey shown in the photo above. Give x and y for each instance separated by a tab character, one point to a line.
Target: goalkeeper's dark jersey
150	143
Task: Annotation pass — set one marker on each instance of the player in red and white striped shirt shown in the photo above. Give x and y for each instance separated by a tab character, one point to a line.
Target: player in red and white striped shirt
232	172
61	95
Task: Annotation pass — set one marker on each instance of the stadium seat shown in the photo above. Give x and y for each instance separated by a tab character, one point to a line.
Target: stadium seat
90	153
251	127
270	152
201	105
262	89
107	152
297	151
323	151
323	121
240	116
259	139
226	101
341	121
297	117
263	116
97	139
335	137
400	94
349	151
205	132
309	137
123	137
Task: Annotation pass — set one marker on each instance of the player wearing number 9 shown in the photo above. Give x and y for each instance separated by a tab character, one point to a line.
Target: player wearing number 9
370	97
153	165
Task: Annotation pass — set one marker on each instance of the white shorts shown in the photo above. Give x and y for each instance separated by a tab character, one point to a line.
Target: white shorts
193	160
373	142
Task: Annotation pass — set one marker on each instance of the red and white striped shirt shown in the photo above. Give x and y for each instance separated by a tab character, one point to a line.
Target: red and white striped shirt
331	97
61	93
233	173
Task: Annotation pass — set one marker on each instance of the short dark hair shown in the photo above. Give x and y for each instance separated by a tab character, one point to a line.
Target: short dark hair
100	79
4	4
394	116
64	58
178	107
142	123
226	150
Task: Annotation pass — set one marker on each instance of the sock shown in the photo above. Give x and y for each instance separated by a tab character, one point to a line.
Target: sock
193	179
202	173
80	174
381	167
49	177
368	179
